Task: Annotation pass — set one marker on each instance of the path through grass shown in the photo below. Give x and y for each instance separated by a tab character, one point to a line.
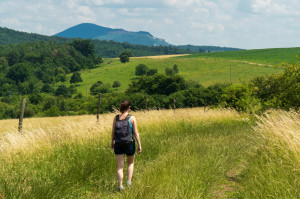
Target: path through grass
186	154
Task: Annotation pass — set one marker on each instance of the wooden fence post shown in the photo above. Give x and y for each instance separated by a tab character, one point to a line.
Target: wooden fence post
174	105
99	105
146	103
22	115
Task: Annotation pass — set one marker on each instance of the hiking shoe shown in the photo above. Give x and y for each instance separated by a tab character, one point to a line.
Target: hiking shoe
121	188
129	184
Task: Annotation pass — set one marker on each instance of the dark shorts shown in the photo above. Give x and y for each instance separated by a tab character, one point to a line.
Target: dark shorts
128	150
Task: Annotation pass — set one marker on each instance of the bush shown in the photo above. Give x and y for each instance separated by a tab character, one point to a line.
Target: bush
241	97
151	72
76	77
99	87
116	84
158	84
141	70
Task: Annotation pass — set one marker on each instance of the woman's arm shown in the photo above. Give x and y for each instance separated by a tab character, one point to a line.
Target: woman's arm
136	134
113	134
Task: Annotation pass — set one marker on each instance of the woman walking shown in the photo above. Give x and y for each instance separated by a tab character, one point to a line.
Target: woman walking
124	130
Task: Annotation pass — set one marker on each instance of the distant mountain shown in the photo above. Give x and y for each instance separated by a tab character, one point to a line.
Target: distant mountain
102	48
93	31
108	48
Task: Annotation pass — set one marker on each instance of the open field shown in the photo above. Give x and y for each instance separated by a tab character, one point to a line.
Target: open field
206	71
186	154
271	56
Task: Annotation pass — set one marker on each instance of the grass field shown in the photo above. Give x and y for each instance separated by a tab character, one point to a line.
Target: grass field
206	71
186	154
263	56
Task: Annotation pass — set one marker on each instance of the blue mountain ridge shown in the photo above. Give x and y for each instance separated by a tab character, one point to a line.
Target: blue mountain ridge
93	31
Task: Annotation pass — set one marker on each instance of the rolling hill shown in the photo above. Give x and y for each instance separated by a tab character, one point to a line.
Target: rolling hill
264	56
203	70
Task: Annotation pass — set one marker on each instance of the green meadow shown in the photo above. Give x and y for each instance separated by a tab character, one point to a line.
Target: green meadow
206	71
270	56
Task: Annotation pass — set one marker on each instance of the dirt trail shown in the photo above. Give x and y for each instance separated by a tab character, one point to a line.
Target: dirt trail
230	184
252	63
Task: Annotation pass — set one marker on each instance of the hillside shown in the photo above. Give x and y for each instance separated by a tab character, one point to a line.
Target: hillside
264	56
93	31
202	70
9	36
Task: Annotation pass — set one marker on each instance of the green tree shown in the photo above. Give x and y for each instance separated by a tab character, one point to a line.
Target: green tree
62	90
124	59
47	88
3	62
124	56
173	71
116	84
141	70
169	71
60	74
151	72
126	52
76	77
99	87
19	72
175	68
158	84
84	46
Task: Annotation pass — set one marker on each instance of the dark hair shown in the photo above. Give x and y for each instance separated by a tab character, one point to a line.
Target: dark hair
124	106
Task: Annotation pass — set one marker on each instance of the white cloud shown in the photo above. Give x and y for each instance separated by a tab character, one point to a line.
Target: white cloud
236	23
168	21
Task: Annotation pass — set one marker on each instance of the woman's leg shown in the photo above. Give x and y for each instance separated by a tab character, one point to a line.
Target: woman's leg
130	163
120	166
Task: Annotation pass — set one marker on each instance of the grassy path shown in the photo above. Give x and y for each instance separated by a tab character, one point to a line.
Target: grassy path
186	154
197	166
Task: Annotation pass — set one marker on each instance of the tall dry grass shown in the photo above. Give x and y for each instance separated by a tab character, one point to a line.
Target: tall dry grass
281	128
45	132
273	168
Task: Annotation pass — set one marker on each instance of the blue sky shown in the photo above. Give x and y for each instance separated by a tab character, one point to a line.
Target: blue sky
248	24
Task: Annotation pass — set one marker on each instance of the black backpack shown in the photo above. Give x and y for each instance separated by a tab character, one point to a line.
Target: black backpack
123	136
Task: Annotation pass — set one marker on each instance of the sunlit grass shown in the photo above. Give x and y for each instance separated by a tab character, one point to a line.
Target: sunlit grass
70	157
271	56
273	169
188	153
206	71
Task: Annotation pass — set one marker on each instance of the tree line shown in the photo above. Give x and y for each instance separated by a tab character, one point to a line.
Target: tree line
36	67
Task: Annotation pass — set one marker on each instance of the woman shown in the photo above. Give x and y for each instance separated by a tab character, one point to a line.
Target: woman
122	142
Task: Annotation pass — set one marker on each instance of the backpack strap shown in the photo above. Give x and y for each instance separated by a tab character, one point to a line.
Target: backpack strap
128	117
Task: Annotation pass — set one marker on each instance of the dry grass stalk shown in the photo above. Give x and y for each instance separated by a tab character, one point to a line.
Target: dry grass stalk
283	129
46	132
